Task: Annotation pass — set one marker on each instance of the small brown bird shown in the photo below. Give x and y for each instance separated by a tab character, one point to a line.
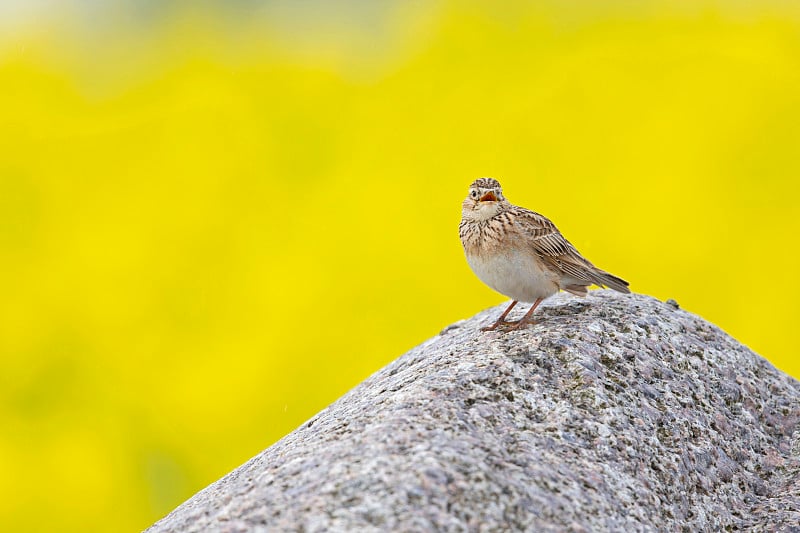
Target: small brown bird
522	254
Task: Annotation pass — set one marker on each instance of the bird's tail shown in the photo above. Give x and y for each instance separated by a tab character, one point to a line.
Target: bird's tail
611	281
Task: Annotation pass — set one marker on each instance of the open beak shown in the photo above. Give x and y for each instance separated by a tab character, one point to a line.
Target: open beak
489	197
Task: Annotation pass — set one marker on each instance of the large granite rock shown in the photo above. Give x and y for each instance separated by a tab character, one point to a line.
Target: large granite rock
614	413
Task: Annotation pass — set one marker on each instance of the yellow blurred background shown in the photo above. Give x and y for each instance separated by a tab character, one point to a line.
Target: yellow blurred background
217	217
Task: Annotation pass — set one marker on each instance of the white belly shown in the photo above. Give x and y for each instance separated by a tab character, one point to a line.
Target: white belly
517	275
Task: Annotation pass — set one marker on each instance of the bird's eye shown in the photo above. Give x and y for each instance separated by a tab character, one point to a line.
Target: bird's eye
473	193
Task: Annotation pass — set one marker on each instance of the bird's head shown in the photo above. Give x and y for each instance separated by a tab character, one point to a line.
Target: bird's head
484	201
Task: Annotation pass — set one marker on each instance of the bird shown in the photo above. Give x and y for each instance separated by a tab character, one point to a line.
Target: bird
521	254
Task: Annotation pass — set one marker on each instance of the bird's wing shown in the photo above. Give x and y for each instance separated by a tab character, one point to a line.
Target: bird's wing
553	248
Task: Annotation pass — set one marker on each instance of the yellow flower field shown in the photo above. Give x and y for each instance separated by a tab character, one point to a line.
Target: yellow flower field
214	221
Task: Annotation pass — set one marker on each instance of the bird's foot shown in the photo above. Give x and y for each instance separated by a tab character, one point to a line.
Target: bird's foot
500	324
507	325
520	324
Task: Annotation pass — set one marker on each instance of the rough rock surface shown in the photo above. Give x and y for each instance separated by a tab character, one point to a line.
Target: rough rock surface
614	413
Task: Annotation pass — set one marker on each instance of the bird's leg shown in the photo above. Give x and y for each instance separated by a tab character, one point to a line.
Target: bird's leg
502	318
525	320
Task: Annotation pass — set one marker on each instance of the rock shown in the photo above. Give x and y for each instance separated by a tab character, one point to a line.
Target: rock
613	413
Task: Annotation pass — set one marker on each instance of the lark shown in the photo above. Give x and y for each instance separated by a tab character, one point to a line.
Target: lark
521	254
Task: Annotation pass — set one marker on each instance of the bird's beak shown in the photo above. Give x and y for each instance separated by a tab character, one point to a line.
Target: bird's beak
489	197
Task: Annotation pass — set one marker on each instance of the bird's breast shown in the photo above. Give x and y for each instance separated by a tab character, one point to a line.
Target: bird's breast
517	273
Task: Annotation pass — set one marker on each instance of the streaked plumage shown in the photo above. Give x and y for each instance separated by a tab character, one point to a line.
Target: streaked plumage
520	253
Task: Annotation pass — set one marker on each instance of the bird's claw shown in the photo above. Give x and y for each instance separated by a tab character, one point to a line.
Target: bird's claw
509	325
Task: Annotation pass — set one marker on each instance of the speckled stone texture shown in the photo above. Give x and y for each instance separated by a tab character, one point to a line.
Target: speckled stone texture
613	413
